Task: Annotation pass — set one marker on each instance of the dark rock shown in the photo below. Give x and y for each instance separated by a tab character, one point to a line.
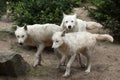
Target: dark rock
12	64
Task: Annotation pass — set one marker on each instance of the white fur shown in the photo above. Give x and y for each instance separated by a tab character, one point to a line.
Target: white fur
72	24
70	44
40	34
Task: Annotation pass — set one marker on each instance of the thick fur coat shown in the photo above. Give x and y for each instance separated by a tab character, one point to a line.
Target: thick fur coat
70	44
39	35
72	24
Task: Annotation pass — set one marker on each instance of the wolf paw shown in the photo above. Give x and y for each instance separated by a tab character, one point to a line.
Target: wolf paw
87	71
66	75
83	65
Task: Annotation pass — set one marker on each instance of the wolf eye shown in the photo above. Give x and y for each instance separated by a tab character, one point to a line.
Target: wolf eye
18	36
57	41
66	21
72	21
22	36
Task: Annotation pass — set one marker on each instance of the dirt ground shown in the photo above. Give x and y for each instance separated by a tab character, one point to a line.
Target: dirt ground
105	60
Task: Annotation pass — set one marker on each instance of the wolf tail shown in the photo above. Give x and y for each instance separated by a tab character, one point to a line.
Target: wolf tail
93	25
104	37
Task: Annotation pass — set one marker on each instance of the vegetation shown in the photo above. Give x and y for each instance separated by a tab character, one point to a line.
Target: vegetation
107	12
2	7
41	11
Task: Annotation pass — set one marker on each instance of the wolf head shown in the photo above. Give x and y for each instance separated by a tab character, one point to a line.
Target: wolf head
58	39
69	21
21	34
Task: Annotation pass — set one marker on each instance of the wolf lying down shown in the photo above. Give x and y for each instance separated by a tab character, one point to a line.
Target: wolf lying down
71	44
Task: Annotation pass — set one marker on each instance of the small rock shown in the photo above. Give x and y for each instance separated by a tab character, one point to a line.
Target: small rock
12	64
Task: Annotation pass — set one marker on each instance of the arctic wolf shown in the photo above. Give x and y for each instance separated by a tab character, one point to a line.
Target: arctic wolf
71	44
72	24
39	34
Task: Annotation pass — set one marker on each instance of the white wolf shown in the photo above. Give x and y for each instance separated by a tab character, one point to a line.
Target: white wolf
39	34
72	24
70	44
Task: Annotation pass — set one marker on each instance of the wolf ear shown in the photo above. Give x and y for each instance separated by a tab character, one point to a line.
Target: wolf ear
17	27
25	27
63	33
75	15
62	23
64	14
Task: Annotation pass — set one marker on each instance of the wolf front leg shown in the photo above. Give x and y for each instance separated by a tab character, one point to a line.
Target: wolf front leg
80	60
67	72
61	61
88	55
37	59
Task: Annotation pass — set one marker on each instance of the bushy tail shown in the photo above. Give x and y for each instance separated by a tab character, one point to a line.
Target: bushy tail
104	37
93	25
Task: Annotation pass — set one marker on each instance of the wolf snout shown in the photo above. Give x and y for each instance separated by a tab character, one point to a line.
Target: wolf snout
69	27
20	43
